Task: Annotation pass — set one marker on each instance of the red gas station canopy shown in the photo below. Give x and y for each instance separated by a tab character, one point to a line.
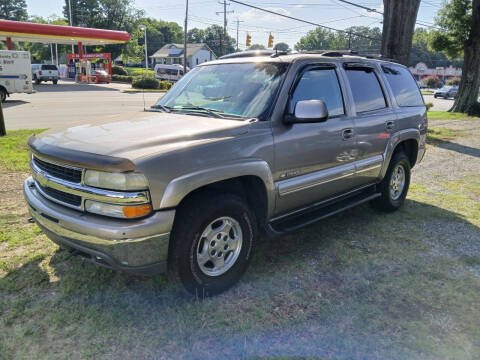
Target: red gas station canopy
60	34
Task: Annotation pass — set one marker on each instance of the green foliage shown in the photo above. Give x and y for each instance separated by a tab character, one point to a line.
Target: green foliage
423	52
455	19
135	71
281	46
432	81
429	105
13	10
323	39
257	47
165	85
446	115
118	70
213	37
122	78
146	83
455	81
13	148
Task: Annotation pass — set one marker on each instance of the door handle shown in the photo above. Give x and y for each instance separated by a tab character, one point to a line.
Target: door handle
347	134
389	125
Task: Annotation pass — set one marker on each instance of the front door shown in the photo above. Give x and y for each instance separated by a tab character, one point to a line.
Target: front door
314	161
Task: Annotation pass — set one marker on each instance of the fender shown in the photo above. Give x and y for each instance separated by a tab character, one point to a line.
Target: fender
396	139
180	187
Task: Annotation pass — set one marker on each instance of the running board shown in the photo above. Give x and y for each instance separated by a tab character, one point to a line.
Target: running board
309	216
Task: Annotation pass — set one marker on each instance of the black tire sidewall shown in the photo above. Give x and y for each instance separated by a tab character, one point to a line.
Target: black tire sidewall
398	159
188	235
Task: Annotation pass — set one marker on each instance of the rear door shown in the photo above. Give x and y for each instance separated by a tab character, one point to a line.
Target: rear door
314	161
375	119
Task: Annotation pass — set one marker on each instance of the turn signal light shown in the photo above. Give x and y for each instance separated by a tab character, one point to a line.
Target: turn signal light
136	211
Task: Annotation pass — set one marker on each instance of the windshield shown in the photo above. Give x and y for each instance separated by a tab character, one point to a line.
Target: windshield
243	90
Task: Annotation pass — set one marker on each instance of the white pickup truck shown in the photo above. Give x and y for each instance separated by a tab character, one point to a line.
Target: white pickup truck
15	73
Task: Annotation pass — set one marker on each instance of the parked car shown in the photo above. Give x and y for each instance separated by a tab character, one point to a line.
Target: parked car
44	72
101	76
168	72
446	92
238	145
15	75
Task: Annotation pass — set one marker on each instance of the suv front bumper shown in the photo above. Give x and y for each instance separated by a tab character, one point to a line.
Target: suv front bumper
138	246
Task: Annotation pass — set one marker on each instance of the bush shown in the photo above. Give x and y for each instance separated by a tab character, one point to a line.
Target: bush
432	82
118	70
429	106
122	78
455	81
146	83
165	85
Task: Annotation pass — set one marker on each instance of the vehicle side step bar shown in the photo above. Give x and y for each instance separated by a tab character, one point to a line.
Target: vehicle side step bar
298	220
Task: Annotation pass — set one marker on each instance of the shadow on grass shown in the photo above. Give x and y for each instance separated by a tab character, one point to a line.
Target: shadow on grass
358	285
453	146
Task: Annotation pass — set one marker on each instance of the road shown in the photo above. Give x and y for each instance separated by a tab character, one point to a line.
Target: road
69	103
439	104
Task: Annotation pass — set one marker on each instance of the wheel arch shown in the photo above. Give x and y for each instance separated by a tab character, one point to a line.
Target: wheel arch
252	180
406	140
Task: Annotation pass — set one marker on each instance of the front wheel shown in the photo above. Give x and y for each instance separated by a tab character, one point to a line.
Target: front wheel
3	95
394	186
212	243
55	82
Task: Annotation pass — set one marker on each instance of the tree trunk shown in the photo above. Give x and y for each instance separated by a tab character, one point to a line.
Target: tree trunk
399	19
467	98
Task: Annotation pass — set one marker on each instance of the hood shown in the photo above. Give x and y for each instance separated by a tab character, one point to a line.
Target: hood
136	135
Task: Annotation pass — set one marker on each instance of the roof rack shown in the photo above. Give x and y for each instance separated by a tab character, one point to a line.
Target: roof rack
250	53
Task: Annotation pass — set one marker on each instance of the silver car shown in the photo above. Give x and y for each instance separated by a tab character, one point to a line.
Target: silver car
446	92
250	144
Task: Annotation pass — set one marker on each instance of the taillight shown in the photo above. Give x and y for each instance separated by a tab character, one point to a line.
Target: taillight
40	72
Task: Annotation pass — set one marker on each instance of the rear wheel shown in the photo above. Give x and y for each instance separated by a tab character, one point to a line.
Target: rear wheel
37	81
55	82
394	186
213	241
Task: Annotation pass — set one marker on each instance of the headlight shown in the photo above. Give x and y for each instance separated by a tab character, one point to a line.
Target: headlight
116	181
118	211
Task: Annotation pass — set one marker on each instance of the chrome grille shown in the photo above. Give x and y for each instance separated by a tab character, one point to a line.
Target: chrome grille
61	196
62	172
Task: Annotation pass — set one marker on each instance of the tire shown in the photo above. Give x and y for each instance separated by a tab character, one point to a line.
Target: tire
197	272
3	95
391	199
37	81
55	82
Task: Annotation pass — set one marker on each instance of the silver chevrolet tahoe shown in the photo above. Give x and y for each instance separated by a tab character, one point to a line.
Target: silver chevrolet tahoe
250	143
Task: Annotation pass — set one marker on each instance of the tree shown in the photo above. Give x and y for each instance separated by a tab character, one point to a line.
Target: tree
256	47
213	37
399	19
460	23
13	10
423	52
281	46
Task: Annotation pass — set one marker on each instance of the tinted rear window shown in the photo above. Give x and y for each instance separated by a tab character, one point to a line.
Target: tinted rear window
49	67
367	92
403	85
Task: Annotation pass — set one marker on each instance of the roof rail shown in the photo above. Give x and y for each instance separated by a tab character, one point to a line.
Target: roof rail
248	53
340	53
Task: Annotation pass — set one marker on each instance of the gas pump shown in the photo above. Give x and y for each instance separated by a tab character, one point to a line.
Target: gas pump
83	67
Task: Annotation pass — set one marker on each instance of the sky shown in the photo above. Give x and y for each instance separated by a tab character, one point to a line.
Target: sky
203	13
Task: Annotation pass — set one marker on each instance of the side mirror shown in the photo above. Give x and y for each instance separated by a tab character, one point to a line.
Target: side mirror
308	111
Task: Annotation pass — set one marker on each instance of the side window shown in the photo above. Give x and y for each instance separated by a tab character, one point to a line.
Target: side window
403	85
319	84
367	92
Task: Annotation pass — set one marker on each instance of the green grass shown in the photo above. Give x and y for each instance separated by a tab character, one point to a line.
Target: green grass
132	71
427	92
436	135
359	285
445	115
13	150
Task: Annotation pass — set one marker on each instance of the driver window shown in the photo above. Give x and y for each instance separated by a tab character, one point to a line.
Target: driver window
319	84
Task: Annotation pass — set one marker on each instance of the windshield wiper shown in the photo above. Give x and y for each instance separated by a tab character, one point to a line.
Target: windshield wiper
162	107
213	112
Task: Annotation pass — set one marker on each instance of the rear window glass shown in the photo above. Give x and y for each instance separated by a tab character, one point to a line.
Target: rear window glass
404	86
49	67
367	92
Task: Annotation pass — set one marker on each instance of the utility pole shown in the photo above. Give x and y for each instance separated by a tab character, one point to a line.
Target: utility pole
350	40
185	40
70	17
238	23
224	38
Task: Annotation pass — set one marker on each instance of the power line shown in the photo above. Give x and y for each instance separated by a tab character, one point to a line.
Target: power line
304	21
